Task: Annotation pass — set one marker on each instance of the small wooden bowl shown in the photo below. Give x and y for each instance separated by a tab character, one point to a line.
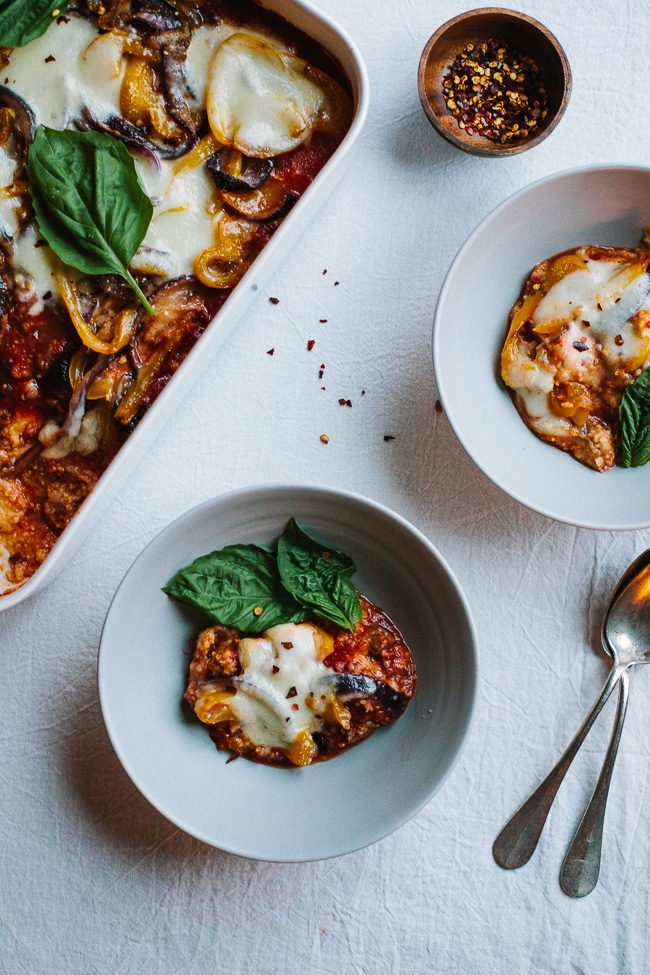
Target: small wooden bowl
527	37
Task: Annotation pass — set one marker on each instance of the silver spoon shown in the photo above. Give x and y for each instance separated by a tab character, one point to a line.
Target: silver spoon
581	867
626	631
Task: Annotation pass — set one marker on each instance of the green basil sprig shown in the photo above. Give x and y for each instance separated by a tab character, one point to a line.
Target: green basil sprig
634	413
230	584
253	588
89	202
22	21
318	576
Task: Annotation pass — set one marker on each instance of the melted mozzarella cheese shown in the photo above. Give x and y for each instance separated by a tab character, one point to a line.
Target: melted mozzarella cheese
606	297
82	74
285	659
260	100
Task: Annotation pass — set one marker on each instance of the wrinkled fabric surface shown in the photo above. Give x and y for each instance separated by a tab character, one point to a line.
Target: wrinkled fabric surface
92	878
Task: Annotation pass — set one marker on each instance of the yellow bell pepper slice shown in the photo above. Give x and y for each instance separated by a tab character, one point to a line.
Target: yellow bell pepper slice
124	326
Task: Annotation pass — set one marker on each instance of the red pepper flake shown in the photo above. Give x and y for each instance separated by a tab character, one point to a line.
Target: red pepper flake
323	321
335	283
295	707
47	296
325	555
619	340
288	645
580	346
40	243
6	81
324	438
363	392
494	92
311	344
586	324
288	719
617	300
275	669
438	406
292	692
274	301
388	436
345	402
320	373
270	351
66	20
599	306
323	387
50	59
325	271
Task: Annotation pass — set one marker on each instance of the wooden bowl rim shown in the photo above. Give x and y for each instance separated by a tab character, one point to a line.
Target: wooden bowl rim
481	149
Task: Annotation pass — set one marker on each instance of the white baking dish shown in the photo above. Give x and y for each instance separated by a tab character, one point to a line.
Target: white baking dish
317	25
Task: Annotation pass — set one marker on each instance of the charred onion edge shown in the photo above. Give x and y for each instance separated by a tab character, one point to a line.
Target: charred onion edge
156	15
77	405
175	100
256	172
354	687
132	138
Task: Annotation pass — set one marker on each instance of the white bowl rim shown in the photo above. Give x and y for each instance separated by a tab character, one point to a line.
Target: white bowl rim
478	230
472	646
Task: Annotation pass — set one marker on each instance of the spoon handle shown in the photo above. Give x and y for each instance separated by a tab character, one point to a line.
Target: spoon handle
579	874
516	842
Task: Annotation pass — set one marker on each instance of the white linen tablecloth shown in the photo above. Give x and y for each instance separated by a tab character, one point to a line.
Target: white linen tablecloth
92	878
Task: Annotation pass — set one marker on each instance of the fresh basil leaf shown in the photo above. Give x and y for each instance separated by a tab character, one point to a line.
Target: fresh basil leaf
634	413
232	583
22	21
89	202
318	576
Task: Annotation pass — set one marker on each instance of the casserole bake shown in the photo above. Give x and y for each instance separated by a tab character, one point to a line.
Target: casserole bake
168	285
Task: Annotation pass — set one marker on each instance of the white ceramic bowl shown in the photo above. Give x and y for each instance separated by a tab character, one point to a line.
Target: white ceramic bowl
287	814
599	205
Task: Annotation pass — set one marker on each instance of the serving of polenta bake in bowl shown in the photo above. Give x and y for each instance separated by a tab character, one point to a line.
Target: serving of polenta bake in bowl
312	635
554	400
149	151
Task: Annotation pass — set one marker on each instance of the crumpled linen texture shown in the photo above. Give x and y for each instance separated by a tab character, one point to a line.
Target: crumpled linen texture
92	878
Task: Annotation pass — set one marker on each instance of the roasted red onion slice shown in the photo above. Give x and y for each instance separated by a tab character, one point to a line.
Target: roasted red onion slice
155	15
354	687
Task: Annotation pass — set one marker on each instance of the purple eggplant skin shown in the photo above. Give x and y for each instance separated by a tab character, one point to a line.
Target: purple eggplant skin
254	175
24	116
354	687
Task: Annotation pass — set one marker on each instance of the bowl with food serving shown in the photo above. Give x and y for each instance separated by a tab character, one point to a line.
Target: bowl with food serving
494	82
156	160
553	400
311	634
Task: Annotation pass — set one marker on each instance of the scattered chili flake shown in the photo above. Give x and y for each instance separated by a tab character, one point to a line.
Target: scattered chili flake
325	271
599	306
40	243
617	300
288	645
323	321
288	719
270	351
326	555
619	340
580	346
320	373
586	324
295	707
335	283
274	301
275	669
345	402
493	91
438	406
363	392
311	344
292	692
6	81
66	20
49	59
47	296
324	438
323	387
388	436
258	610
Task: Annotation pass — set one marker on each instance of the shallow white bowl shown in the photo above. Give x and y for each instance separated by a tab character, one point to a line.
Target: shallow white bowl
599	205
287	814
